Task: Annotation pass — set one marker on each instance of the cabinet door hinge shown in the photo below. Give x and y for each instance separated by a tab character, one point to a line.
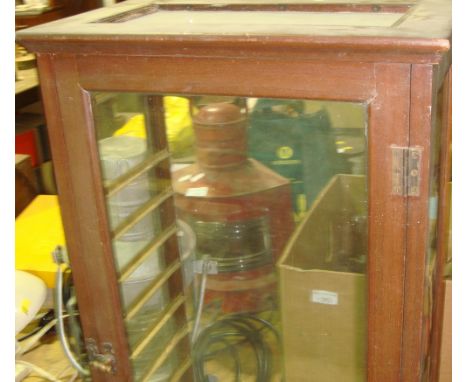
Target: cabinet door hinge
406	170
104	361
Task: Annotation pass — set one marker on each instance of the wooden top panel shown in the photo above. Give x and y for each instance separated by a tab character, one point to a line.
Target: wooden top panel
393	23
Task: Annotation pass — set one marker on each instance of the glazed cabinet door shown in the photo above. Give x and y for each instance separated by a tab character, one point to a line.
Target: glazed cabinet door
234	219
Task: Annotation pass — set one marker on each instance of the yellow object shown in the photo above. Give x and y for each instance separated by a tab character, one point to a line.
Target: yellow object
135	127
178	126
25	305
38	230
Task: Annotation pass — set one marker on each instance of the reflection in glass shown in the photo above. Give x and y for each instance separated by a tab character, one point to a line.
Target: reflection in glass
271	202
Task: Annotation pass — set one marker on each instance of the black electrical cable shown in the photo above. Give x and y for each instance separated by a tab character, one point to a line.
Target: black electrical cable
266	325
264	322
250	335
258	345
200	371
43	321
30	334
230	332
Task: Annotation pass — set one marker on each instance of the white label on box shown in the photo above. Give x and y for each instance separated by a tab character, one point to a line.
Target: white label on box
324	297
196	191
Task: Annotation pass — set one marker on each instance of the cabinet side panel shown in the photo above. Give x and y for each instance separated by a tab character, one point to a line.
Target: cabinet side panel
443	223
419	262
92	266
389	122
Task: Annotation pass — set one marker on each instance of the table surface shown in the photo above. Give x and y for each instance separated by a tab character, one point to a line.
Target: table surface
50	357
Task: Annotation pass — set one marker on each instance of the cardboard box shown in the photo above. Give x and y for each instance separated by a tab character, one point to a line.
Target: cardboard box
323	311
445	367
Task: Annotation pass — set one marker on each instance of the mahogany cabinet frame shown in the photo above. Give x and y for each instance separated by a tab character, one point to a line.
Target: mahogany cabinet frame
399	97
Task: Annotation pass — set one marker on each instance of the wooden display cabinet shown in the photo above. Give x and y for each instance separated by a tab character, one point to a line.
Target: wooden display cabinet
378	71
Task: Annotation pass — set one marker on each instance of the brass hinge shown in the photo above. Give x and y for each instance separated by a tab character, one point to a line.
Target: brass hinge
406	170
104	361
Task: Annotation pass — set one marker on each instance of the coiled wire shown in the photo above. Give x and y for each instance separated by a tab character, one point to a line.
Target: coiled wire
227	334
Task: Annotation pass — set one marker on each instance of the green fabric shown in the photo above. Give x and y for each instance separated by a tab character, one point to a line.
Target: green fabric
296	145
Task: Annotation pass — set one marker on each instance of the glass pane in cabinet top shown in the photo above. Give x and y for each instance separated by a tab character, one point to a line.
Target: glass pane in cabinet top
257	15
239	234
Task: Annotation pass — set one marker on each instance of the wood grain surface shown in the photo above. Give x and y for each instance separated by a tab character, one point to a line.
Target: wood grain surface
389	70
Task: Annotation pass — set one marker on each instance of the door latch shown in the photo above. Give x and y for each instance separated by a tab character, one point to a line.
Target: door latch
406	170
104	361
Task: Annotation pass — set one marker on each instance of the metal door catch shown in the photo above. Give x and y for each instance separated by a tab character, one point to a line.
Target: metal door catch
104	361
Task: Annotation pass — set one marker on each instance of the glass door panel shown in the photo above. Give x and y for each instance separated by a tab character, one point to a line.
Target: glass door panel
251	214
